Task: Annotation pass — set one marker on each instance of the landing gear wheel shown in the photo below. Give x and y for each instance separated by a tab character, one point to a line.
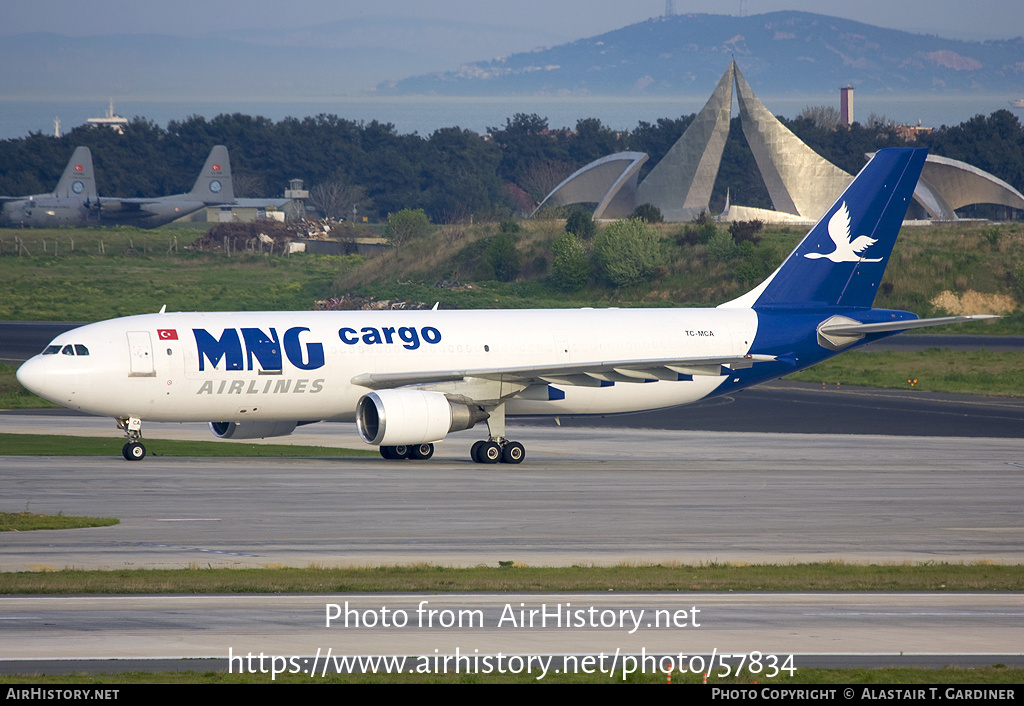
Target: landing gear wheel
421	452
514	452
133	451
488	452
475	450
396	453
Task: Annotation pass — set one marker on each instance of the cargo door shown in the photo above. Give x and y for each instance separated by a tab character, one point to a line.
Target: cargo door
140	355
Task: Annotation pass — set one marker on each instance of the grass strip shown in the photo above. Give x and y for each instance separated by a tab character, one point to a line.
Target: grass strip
934	370
56	445
420	578
28	521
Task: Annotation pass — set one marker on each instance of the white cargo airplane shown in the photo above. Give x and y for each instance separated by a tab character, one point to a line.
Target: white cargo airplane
408	378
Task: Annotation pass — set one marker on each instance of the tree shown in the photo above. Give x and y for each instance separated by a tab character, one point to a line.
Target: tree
628	252
338	199
459	173
525	141
592	140
540	178
406	225
825	117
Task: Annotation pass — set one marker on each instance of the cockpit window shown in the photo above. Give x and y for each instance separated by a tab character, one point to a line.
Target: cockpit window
68	350
81	350
51	350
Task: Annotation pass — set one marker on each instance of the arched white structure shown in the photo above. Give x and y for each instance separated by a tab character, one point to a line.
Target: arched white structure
801	183
610	182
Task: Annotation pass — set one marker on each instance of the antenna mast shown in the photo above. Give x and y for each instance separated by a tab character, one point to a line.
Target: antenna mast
670	8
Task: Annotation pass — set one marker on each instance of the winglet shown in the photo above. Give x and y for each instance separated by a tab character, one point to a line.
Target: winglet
214	183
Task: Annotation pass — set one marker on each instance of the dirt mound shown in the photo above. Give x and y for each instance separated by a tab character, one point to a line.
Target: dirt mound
260	236
971	302
352	302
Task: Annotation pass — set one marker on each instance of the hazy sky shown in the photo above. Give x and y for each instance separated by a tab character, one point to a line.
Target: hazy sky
553	20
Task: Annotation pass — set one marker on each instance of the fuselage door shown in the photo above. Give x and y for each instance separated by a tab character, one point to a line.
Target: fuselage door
140	355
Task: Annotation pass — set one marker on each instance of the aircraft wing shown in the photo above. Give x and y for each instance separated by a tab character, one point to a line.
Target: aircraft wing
128	204
586	374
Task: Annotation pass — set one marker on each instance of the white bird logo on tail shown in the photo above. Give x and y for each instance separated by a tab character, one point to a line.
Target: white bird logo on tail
839	231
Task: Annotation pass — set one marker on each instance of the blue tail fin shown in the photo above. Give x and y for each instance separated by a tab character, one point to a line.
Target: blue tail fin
840	262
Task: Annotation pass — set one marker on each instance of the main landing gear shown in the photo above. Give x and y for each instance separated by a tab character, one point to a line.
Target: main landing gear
497	449
133	450
417	452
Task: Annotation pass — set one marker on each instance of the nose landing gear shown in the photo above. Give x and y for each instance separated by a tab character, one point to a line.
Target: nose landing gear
132	427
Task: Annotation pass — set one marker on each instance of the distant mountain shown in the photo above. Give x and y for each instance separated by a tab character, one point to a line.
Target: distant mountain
780	53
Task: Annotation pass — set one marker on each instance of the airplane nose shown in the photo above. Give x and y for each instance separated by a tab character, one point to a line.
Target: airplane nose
32	375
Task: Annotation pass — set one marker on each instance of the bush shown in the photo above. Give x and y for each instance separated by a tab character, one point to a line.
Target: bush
648	213
700	230
570	268
743	231
503	258
581	225
406	225
628	252
721	246
510	227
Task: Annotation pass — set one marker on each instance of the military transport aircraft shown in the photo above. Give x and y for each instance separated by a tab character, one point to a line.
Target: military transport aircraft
72	203
212	187
408	378
75	203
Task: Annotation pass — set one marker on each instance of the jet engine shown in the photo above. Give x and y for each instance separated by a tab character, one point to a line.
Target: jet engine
251	430
408	417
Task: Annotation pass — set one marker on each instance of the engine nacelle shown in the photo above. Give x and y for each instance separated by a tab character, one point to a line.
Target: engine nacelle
251	430
408	417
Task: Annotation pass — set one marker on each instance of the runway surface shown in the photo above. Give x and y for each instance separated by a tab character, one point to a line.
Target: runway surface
584	495
874	476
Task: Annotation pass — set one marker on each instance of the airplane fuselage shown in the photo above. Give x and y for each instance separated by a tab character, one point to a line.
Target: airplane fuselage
300	366
45	212
274	366
152	214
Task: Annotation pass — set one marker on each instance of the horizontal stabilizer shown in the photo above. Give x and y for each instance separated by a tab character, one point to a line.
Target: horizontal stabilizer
855	329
